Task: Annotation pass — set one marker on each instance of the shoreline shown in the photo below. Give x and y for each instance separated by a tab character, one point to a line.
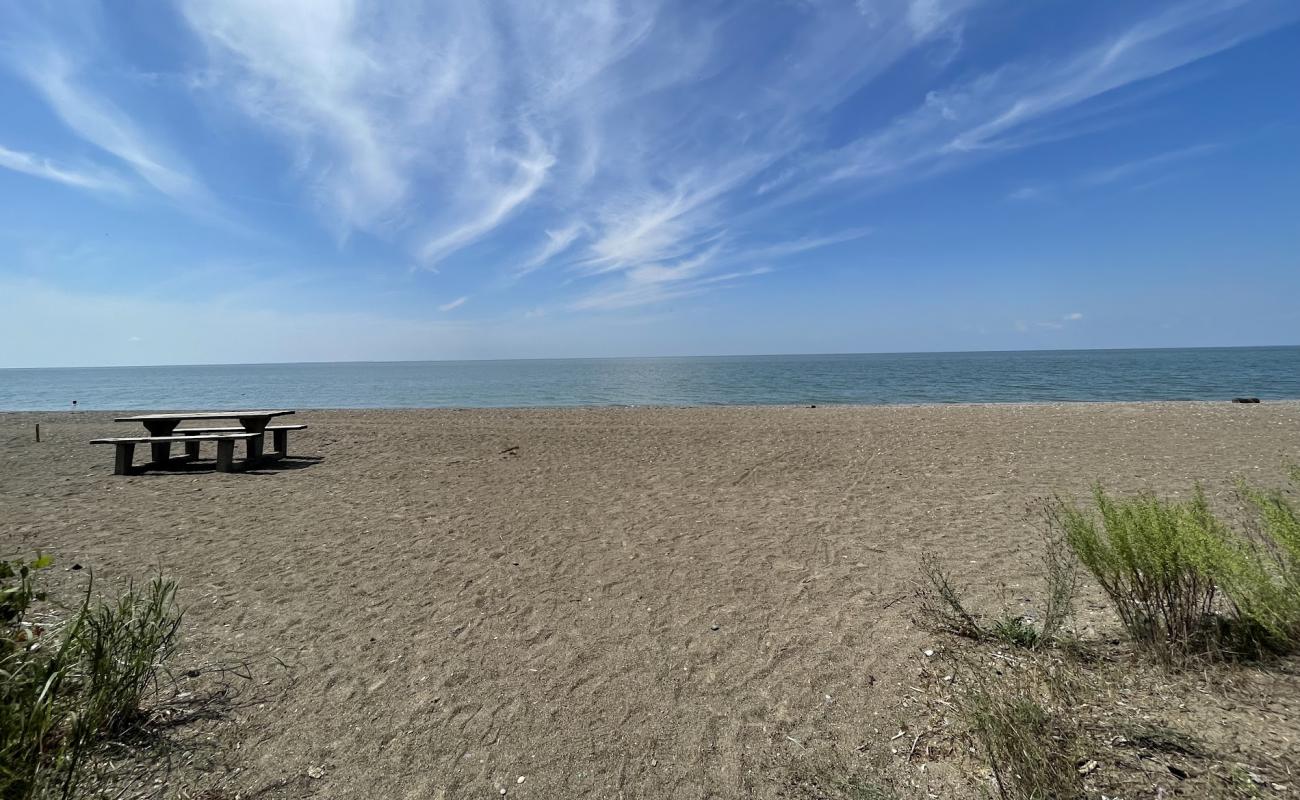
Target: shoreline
1283	401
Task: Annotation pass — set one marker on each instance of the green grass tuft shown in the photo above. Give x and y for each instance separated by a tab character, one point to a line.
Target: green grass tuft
67	690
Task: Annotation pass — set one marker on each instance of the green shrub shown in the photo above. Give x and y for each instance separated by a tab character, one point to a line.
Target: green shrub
1150	558
1183	582
1262	579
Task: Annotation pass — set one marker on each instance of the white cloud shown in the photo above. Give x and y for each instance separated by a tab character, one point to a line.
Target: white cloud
557	241
99	121
44	168
1013	106
594	124
454	304
1026	193
1022	326
1146	165
529	174
803	244
652	150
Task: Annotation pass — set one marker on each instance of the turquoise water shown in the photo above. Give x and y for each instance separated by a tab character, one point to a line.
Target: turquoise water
1031	376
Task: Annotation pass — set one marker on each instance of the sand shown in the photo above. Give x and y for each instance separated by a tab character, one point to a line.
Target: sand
605	602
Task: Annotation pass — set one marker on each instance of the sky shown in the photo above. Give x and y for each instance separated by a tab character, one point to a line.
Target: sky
237	181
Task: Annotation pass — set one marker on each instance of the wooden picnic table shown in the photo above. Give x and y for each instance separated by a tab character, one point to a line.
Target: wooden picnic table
162	425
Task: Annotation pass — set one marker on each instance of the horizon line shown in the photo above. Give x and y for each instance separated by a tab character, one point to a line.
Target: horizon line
662	357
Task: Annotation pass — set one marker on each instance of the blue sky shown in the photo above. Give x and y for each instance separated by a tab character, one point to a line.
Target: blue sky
234	181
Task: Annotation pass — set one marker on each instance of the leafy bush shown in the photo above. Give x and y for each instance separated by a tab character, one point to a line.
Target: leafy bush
64	691
1150	557
1262	579
1183	582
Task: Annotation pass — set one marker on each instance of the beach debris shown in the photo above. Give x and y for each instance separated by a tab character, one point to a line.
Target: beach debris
1088	768
714	626
928	653
1245	399
513	450
315	773
912	751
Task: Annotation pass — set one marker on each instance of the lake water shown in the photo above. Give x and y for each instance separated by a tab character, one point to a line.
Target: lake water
1030	376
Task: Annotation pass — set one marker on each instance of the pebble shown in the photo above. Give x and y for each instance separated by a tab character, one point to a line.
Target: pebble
714	626
521	779
315	772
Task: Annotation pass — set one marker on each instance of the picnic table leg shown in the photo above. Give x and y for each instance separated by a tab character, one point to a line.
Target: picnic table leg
192	449
254	425
225	455
281	443
161	451
125	455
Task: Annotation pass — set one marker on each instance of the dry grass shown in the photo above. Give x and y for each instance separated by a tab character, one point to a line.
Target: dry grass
941	605
1020	722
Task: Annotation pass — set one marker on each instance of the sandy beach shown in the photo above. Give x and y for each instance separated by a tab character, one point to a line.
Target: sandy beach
618	603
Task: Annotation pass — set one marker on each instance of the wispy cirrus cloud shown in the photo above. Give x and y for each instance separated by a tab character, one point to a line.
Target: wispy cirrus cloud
591	129
32	164
628	152
1144	167
1013	106
556	242
1156	167
51	52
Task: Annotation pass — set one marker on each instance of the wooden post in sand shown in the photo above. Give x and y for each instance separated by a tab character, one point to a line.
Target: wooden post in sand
38	431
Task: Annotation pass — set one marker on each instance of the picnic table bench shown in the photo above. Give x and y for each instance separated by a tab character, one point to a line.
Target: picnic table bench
279	434
122	463
162	429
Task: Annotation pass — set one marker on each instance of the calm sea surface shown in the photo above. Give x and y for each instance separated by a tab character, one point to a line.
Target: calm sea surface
1031	376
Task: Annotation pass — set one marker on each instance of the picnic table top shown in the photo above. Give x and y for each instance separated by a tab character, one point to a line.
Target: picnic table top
182	415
